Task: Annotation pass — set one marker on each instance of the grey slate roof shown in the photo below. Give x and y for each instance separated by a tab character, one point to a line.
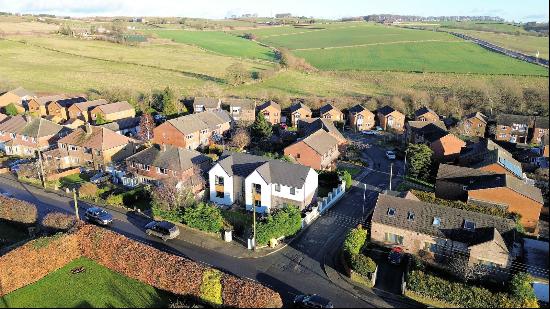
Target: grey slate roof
44	100
356	109
269	103
321	142
201	121
87	105
40	127
312	126
509	119
207	102
15	124
115	107
423	110
245	104
419	125
70	101
386	110
452	221
327	108
122	124
477	115
169	157
273	171
541	122
298	106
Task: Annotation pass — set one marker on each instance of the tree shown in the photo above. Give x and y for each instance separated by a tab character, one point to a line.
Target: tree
165	101
100	120
168	197
146	127
419	161
241	139
261	128
460	266
522	290
236	74
11	110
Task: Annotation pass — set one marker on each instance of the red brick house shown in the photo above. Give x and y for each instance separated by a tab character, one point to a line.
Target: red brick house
60	108
330	112
473	125
206	105
360	118
391	119
18	96
540	129
297	112
271	112
513	128
426	114
318	151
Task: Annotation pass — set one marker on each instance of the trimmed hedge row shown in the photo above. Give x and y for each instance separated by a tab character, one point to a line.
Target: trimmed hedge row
457	293
17	211
56	222
355	240
284	222
204	217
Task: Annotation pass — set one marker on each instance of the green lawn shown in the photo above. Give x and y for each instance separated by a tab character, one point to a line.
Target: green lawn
74	180
219	42
97	287
351	170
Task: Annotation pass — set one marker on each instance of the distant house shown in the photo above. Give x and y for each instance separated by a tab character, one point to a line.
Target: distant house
318	151
271	112
488	156
243	110
193	131
74	123
360	118
260	183
125	126
473	125
330	112
158	163
437	233
299	111
391	119
513	128
544	146
426	114
445	146
91	147
18	96
206	105
82	110
488	188
60	108
540	129
415	131
113	111
24	136
37	105
307	127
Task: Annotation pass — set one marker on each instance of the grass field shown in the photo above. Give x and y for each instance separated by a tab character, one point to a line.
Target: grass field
485	26
97	287
219	42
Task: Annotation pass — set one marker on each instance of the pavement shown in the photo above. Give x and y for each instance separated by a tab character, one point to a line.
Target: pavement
306	265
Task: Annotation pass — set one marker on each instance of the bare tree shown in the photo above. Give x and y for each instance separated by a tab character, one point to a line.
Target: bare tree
146	126
170	195
241	139
459	265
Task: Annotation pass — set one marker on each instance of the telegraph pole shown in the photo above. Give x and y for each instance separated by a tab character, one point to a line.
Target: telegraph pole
41	171
391	174
76	205
364	198
253	220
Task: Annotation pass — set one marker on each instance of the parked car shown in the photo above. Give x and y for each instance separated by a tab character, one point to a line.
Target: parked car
159	118
98	215
18	162
312	301
379	128
100	177
370	132
283	126
6	193
162	229
390	155
396	256
15	169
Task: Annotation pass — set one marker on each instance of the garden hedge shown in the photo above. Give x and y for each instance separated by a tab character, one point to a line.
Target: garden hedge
285	222
56	222
204	217
17	211
355	240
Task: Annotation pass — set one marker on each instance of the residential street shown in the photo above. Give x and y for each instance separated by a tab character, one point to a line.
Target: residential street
297	269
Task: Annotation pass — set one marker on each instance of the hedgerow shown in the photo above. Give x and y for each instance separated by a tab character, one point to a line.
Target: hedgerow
204	217
17	211
56	221
284	222
211	287
355	240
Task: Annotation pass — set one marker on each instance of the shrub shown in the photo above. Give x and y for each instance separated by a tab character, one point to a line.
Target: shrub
11	110
522	290
211	287
88	191
362	264
240	221
346	176
174	215
284	222
355	240
18	211
204	217
56	221
115	200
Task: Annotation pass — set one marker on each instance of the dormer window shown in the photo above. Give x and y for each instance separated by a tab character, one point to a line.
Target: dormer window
437	221
410	216
391	212
469	225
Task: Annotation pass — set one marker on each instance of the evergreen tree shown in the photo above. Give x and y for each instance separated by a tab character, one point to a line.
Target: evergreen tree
169	102
261	128
419	161
11	110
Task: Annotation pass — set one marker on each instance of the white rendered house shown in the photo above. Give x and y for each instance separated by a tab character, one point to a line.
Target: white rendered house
268	184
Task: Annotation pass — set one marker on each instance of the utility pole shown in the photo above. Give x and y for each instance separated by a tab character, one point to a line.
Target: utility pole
391	174
364	198
76	205
41	171
253	219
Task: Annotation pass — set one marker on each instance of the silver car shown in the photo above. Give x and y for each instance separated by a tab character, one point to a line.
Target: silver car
162	229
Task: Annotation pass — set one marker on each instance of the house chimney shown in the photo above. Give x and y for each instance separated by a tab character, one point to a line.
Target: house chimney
88	129
164	147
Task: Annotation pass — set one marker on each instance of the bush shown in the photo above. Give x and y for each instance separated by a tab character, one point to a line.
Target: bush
346	176
56	221
362	264
211	287
457	293
239	221
174	215
522	290
355	240
204	217
115	200
11	110
88	191
17	211
284	222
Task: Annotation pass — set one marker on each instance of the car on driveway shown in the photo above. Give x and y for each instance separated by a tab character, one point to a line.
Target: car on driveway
98	215
396	256
18	162
312	301
370	132
162	229
390	155
100	177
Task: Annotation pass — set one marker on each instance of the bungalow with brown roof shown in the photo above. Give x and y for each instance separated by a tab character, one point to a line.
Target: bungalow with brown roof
318	151
426	114
436	233
271	112
473	125
18	96
361	119
330	112
206	105
307	127
91	147
60	108
82	110
193	131
24	136
113	111
297	112
391	119
489	188
158	163
37	105
241	110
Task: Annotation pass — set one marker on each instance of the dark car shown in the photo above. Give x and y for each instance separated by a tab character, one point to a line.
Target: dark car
162	229
396	256
98	216
312	301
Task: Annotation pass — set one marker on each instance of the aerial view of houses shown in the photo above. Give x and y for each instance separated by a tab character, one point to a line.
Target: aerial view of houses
234	155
